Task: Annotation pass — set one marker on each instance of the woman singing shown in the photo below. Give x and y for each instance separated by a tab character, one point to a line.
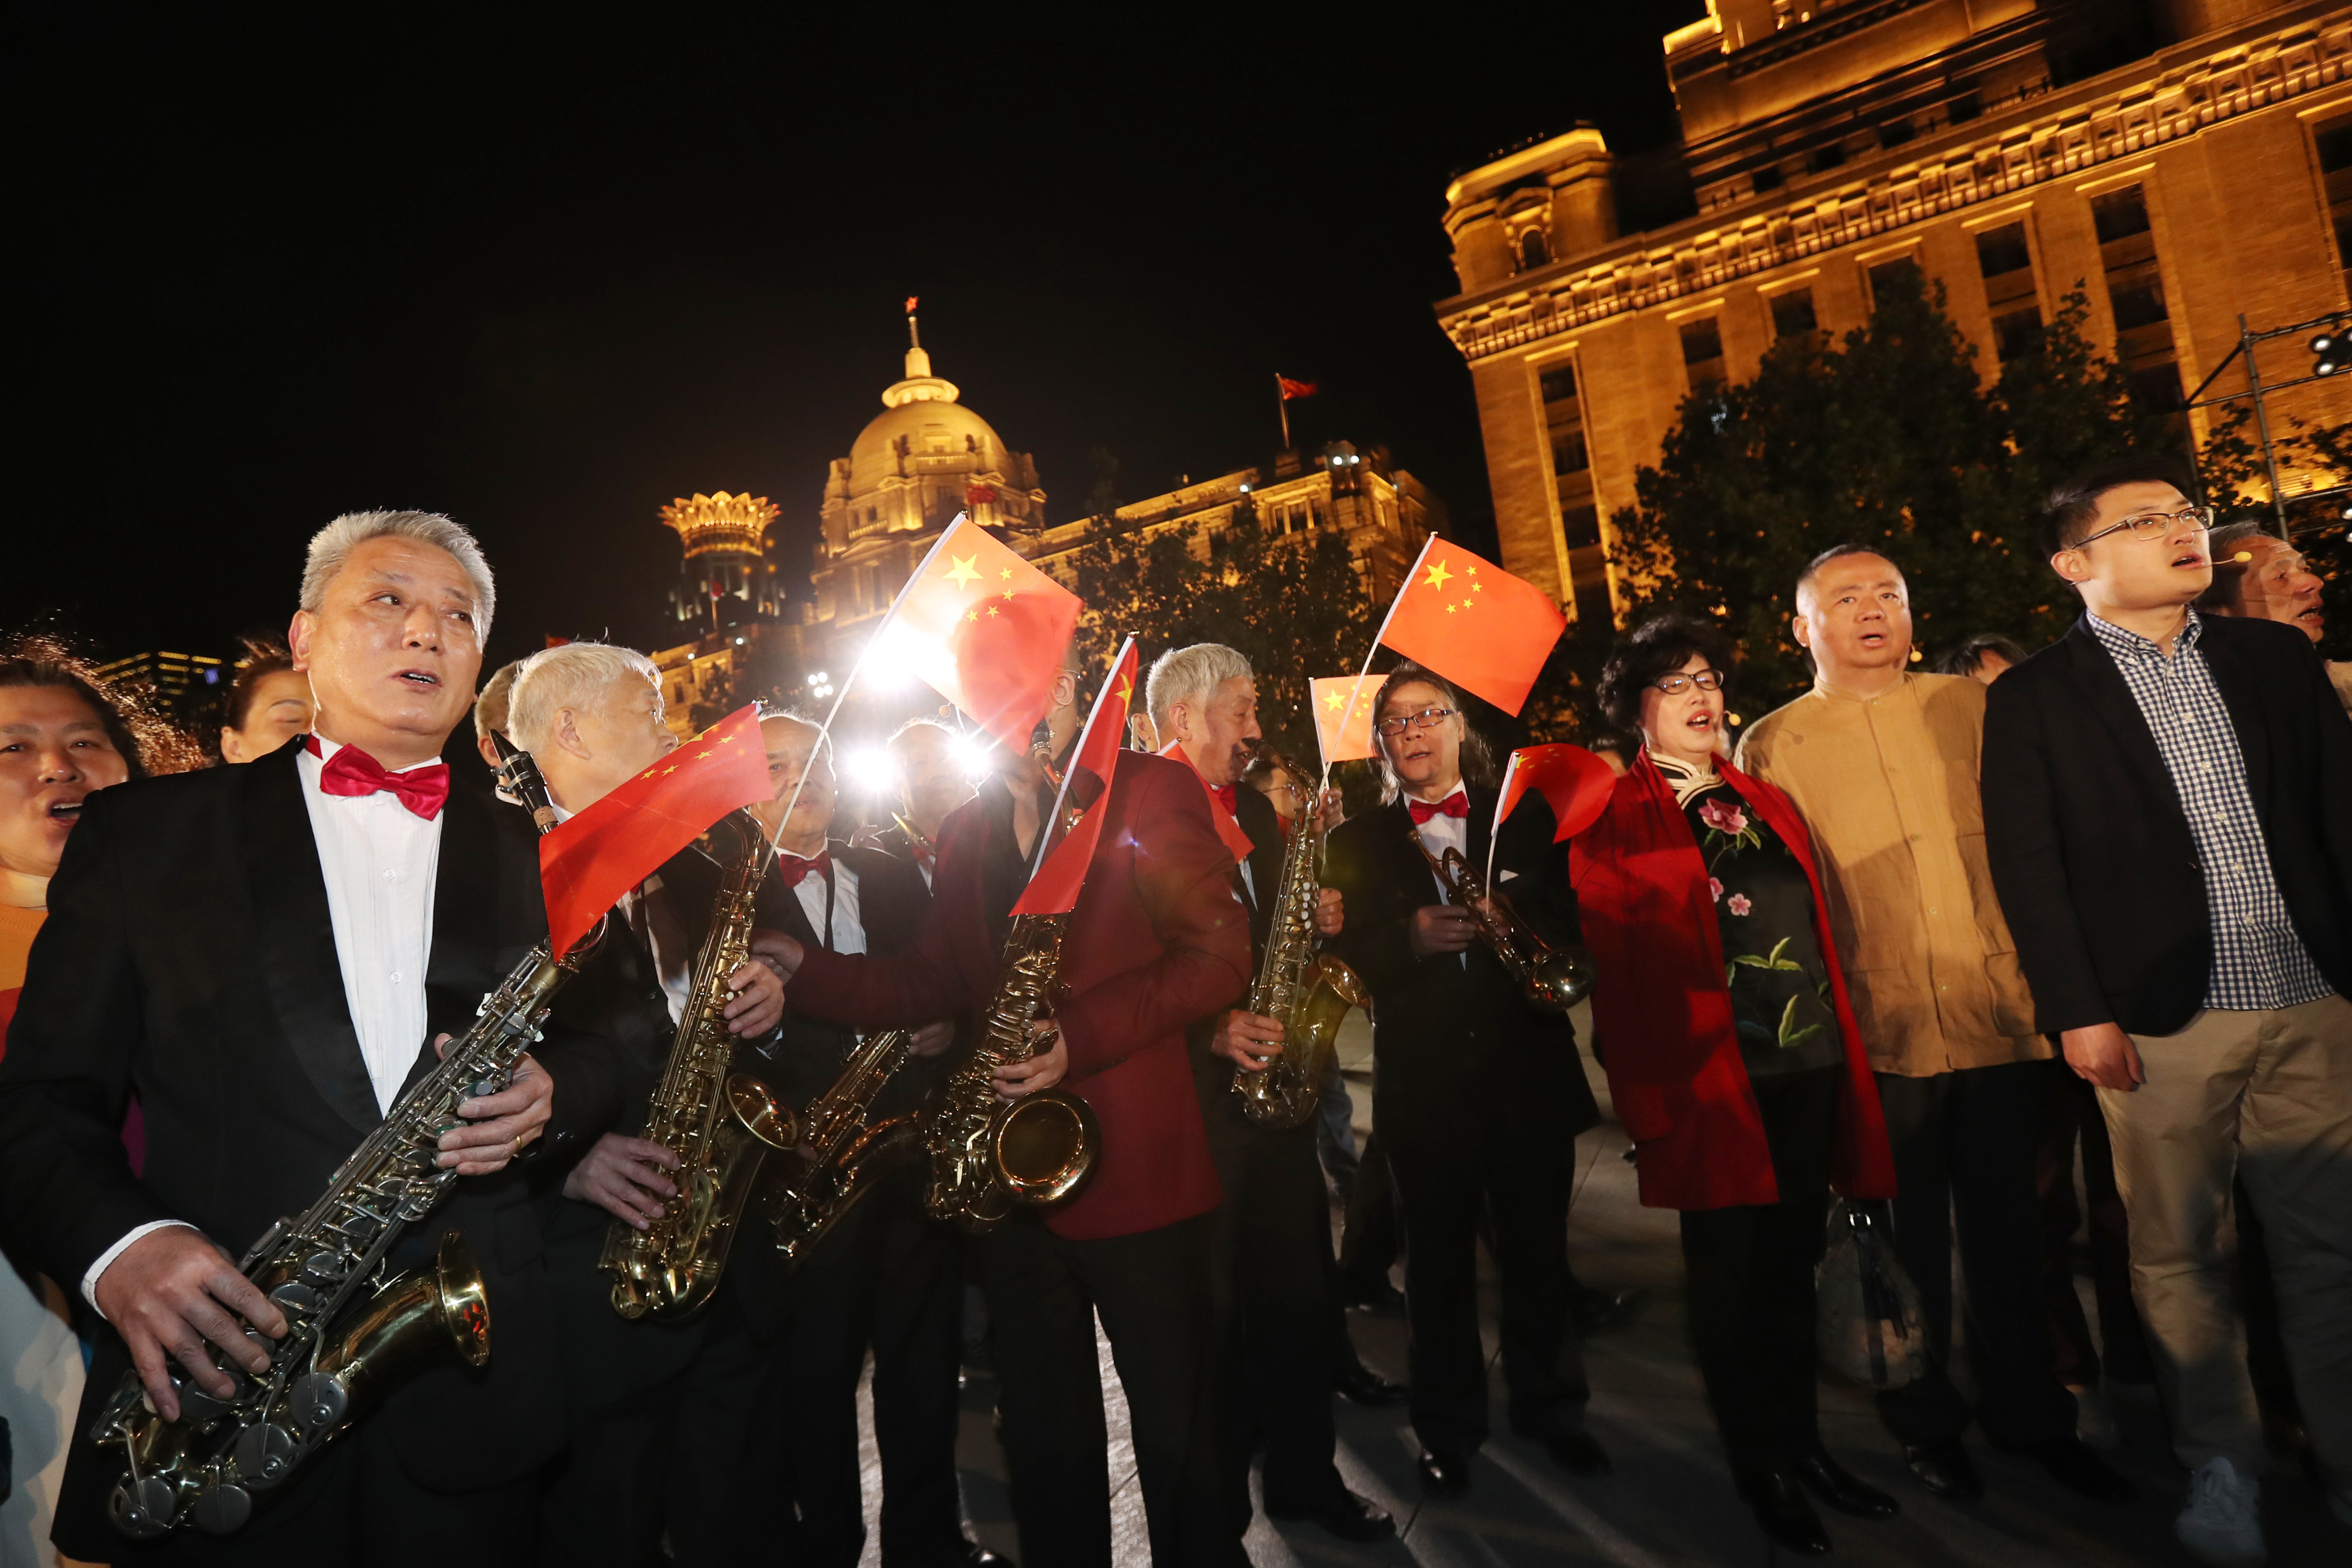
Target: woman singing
1732	1058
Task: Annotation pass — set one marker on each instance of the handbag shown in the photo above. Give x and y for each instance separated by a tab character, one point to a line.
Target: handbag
1866	1310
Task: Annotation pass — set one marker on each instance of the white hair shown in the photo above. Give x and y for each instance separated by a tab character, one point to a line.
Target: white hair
332	546
1189	675
575	675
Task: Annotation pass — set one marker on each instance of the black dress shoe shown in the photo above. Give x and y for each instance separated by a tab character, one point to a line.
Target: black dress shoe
1578	1454
2079	1470
1596	1311
1341	1512
1444	1474
1360	1384
1788	1520
1945	1469
1841	1488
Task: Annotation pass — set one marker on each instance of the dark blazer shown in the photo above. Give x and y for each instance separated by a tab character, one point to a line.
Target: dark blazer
1446	1033
809	1052
189	958
2089	848
1157	941
1214	1074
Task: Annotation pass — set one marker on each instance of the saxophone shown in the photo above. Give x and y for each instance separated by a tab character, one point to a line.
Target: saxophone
852	1148
1552	979
1308	992
987	1154
353	1334
720	1124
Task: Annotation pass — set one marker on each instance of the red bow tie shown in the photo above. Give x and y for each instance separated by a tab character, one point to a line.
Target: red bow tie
1454	805
1224	794
792	868
351	772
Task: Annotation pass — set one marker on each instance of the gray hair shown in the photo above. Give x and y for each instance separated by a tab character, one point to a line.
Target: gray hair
2229	576
332	546
498	694
1189	675
571	676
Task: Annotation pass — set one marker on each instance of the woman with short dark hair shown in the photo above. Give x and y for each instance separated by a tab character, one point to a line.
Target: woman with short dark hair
1732	1056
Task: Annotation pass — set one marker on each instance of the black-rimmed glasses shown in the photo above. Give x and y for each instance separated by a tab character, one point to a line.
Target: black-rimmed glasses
1426	718
2154	525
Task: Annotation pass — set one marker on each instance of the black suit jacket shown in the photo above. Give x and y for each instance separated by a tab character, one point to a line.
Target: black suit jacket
808	1053
1449	1035
189	958
1213	1075
2090	847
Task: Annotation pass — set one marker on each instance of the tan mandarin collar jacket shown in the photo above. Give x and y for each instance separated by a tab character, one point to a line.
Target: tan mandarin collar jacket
1888	786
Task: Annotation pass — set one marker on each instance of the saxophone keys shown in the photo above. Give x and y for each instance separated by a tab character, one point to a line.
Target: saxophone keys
294	1297
222	1509
320	1402
265	1455
142	1509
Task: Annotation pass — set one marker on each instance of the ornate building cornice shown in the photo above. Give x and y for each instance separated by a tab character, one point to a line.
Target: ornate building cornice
2001	158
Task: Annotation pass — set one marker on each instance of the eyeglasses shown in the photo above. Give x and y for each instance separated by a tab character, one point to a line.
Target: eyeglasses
1675	684
2154	525
1426	718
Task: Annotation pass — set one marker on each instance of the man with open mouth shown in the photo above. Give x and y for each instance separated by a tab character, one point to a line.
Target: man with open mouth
2164	803
1881	762
2273	582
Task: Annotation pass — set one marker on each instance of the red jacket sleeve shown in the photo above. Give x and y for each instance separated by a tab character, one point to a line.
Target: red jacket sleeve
1182	879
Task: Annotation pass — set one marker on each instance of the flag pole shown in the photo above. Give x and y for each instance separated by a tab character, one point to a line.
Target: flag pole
1496	832
1062	794
825	730
1282	407
1356	692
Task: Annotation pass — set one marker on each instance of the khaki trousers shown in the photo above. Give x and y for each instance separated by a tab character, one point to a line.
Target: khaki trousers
2265	1096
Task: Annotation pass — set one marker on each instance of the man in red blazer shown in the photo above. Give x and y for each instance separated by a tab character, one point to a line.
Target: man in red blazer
1158	941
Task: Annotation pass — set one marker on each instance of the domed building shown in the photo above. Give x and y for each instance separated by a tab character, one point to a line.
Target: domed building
919	462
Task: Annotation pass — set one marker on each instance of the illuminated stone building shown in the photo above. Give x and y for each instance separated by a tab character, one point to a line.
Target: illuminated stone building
730	598
2182	162
186	686
926	457
1383	510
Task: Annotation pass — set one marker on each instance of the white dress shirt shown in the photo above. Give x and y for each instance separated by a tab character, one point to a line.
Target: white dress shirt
380	861
849	933
1441	833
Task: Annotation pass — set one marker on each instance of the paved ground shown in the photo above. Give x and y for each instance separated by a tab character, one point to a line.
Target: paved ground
1670	1500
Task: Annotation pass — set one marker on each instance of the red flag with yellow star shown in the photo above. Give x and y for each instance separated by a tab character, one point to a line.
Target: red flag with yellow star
587	862
1055	889
1343	716
1474	624
982	628
1576	783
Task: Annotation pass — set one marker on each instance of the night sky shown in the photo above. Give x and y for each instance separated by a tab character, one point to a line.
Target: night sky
544	272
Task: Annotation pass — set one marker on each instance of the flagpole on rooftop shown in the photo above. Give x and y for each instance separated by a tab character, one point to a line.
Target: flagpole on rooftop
1282	406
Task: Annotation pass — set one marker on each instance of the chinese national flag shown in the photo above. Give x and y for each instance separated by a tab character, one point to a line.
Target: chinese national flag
1055	889
1332	696
1291	390
1576	783
585	865
985	630
1474	624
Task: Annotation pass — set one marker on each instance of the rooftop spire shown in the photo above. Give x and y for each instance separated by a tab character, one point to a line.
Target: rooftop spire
919	363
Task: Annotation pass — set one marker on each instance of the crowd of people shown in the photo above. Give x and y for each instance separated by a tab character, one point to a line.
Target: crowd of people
1920	942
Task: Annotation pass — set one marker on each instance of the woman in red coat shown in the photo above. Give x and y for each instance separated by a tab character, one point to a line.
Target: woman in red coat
1732	1057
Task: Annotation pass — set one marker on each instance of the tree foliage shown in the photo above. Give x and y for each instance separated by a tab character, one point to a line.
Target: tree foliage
1294	605
1890	439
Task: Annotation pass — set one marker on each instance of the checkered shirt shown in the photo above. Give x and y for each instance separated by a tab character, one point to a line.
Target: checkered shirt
2259	962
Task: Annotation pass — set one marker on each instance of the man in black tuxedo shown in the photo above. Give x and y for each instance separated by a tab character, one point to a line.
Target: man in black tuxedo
1478	1097
1272	1275
265	955
2165	815
591	716
886	1276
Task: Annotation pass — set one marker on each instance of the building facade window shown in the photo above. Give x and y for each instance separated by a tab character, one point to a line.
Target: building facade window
1792	316
1531	250
2006	261
1703	352
1882	273
1571	464
2334	144
2144	344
